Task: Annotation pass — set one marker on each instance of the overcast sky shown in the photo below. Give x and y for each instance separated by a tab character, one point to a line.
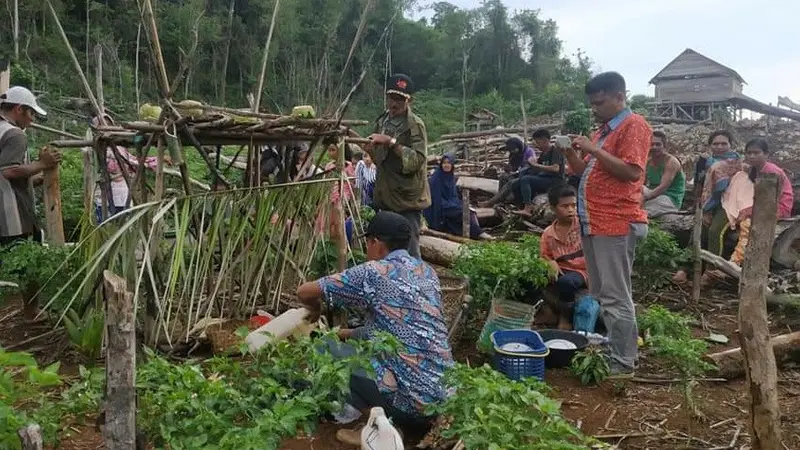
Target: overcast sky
760	39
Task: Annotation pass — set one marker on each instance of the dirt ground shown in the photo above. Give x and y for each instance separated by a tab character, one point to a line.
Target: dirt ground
639	414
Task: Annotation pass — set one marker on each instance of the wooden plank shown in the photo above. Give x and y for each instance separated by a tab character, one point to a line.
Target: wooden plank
761	370
478	183
120	407
54	223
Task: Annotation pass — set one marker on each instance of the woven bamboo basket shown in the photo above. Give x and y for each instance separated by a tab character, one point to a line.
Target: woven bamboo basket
455	291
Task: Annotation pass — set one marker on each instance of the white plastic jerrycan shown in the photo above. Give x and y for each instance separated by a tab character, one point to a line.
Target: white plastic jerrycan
379	434
281	327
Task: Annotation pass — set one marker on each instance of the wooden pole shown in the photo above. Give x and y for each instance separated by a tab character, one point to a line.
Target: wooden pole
120	407
88	183
155	44
98	77
259	92
762	378
5	75
697	236
224	71
54	223
465	215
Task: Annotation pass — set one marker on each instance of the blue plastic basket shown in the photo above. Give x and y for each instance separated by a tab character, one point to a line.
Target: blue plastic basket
518	365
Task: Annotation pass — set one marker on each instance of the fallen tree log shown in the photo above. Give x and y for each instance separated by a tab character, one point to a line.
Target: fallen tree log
730	363
438	251
479	184
445	236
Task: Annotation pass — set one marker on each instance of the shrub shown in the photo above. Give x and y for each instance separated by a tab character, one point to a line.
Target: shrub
658	256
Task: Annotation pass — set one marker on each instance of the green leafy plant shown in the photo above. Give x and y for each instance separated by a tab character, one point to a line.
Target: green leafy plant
86	332
659	321
590	366
247	404
326	259
34	266
670	338
658	256
503	270
21	382
489	411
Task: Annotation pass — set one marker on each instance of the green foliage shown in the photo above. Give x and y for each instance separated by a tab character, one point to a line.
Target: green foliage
21	380
658	256
86	333
503	270
326	259
670	338
659	321
34	266
235	404
490	411
590	366
578	121
26	397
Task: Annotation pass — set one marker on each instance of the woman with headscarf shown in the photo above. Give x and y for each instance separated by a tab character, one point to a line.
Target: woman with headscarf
726	162
447	211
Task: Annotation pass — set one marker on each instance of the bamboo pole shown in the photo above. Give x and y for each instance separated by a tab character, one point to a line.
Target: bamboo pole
224	72
761	371
16	30
54	223
55	131
84	81
136	69
155	45
259	92
465	213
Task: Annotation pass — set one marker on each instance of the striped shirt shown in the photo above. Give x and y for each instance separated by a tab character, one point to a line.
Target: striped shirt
18	216
566	251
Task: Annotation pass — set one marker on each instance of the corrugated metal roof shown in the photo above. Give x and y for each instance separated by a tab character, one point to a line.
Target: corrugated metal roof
694	64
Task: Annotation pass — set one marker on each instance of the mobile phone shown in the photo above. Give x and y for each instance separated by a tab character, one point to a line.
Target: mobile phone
563	141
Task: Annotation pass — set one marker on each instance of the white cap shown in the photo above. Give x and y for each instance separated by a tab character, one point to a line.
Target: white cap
19	95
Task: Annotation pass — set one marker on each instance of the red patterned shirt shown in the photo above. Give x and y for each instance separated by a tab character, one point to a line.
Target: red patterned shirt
567	252
607	206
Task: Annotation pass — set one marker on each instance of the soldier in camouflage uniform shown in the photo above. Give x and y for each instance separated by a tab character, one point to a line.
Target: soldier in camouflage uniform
399	149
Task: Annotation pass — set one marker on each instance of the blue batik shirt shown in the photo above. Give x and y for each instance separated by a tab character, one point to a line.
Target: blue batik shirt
401	295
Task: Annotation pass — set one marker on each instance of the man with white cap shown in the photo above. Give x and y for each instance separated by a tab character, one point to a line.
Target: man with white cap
17	173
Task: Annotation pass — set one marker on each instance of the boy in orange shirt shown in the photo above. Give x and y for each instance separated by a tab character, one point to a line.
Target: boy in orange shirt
560	245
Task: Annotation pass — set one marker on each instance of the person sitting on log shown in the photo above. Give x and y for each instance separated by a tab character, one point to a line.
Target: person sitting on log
542	174
726	163
560	245
401	295
665	182
518	157
446	212
756	151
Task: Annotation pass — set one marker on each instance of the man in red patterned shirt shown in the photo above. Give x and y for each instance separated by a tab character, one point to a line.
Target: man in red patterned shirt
610	210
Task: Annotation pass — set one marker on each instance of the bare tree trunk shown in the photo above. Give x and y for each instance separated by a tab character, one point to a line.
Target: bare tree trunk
224	71
464	57
16	30
88	30
762	379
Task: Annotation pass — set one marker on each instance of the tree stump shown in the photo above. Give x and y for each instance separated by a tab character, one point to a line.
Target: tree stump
120	405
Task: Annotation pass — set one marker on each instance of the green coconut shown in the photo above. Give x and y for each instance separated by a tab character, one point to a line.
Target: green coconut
303	112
